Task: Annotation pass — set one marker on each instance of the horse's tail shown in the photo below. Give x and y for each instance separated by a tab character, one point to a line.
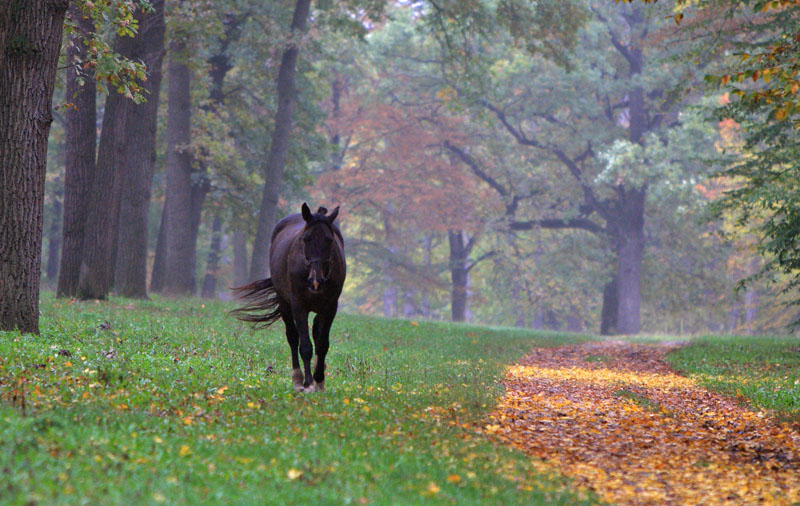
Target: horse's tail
261	303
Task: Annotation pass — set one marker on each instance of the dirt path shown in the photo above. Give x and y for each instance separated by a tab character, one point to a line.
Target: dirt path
615	418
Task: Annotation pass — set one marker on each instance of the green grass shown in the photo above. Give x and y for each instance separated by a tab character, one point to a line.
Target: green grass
763	370
173	402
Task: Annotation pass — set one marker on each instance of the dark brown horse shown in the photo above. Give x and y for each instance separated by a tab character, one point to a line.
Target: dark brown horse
306	260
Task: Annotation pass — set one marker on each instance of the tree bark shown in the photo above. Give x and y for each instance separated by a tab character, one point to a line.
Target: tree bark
212	269
458	275
81	146
5	27
27	78
630	253
115	149
157	276
273	173
239	258
608	314
130	279
179	277
54	237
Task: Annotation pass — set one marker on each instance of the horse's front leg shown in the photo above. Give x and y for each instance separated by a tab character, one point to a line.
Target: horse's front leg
322	330
306	350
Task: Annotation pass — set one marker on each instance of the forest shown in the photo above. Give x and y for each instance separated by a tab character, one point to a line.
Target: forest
613	167
555	257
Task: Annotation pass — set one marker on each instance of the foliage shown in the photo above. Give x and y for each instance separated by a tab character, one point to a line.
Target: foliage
173	401
111	70
615	418
762	78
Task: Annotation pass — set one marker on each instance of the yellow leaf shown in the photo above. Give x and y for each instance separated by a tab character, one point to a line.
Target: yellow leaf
187	420
122	406
221	390
67	363
252	405
159	497
433	488
158	440
414	324
293	474
184	451
454	478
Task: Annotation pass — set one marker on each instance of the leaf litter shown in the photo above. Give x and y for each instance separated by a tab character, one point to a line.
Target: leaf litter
634	432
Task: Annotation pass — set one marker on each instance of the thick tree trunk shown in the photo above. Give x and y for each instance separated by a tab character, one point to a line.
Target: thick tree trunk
54	238
630	252
273	173
5	27
608	314
130	279
101	231
239	258
157	276
80	145
458	275
27	77
212	268
180	252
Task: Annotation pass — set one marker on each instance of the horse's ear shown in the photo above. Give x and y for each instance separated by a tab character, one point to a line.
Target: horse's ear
322	210
306	212
333	214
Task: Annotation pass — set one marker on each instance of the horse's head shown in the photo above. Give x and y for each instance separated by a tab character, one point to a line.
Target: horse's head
318	245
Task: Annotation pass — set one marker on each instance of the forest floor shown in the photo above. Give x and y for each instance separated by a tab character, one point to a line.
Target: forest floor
617	419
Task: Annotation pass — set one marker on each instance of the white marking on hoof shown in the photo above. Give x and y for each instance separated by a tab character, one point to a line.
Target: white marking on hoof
297	379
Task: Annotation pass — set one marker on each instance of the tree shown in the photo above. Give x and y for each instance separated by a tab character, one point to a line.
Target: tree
27	78
80	146
121	117
180	257
273	171
763	78
130	279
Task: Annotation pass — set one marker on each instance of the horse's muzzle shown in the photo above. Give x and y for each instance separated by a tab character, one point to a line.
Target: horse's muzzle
317	276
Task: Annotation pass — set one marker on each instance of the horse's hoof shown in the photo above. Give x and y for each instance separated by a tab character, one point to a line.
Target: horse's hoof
297	379
319	387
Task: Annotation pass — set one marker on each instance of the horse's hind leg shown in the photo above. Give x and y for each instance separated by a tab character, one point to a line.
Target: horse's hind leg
294	343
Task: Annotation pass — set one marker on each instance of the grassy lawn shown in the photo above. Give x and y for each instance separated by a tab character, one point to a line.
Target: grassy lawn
173	402
764	371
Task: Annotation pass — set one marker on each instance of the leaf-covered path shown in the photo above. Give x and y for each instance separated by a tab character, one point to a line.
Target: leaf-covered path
616	419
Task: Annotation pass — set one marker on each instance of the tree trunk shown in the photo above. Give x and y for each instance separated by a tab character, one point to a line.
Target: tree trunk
458	275
157	276
608	314
239	258
273	173
101	231
81	146
630	252
27	77
180	252
131	257
54	237
210	281
5	27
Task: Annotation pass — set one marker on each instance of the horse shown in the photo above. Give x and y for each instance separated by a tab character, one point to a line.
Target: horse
308	268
